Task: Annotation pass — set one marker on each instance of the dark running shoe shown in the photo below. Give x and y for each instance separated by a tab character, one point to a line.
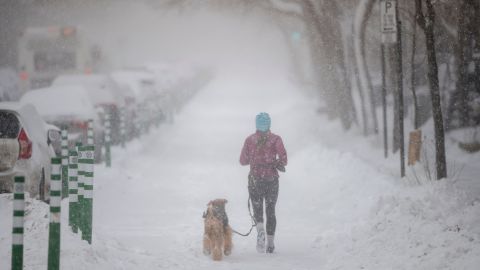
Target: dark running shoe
270	244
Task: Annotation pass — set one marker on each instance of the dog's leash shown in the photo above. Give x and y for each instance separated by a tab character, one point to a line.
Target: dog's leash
254	223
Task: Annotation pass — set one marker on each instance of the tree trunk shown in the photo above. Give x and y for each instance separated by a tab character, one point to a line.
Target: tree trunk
427	24
347	110
326	43
461	91
416	120
393	59
362	14
363	106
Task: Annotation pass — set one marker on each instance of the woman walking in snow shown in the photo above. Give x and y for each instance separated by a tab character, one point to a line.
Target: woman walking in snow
265	153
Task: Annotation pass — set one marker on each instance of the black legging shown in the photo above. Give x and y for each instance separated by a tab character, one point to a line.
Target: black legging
267	190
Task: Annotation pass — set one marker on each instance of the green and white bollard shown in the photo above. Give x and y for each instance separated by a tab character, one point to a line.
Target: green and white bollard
80	182
64	163
73	191
55	206
108	157
122	127
18	217
90	135
88	161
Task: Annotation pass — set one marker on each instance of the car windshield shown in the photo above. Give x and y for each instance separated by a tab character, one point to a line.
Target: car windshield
54	60
9	125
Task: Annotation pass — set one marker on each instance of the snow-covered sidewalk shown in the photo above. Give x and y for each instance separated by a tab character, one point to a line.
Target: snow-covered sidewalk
336	209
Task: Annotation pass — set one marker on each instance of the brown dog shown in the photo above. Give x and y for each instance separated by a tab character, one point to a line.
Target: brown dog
217	238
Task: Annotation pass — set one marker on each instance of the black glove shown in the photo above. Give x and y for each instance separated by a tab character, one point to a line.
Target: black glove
279	166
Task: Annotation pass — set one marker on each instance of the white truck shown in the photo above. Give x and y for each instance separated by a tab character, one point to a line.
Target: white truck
46	52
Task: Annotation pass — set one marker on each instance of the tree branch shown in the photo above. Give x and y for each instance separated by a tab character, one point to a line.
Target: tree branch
419	14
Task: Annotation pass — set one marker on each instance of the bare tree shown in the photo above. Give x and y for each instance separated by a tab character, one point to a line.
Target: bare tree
363	12
416	118
426	22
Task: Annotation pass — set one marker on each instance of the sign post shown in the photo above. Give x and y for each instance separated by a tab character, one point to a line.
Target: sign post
388	30
391	34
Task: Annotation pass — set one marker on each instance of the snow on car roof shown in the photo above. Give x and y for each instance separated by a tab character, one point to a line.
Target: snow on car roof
70	101
169	74
100	88
133	79
10	106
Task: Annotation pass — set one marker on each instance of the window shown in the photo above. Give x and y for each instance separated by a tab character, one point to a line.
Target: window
9	125
45	61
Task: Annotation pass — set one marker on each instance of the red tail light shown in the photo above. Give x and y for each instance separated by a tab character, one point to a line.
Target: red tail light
81	125
25	145
23	76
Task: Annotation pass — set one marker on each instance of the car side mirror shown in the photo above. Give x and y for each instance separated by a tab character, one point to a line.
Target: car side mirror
53	136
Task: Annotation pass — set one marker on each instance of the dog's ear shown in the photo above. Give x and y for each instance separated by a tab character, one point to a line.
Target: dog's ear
221	201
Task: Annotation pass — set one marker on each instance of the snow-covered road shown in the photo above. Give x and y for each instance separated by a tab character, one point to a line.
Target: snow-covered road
335	209
162	192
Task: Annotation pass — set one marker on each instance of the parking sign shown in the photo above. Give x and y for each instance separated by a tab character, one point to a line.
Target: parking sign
388	21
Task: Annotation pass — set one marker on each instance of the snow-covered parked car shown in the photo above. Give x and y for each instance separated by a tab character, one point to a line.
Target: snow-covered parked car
68	107
26	147
104	94
148	109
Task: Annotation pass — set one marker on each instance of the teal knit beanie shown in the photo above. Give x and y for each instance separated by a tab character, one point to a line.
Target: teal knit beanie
262	121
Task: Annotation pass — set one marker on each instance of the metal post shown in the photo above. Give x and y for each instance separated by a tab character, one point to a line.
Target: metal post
389	32
384	102
108	158
400	99
18	217
73	190
55	206
122	127
64	163
80	182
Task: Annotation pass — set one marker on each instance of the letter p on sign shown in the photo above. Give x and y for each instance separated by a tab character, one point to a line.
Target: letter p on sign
388	21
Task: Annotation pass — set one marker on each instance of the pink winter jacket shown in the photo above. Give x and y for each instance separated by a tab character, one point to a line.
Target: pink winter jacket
263	158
